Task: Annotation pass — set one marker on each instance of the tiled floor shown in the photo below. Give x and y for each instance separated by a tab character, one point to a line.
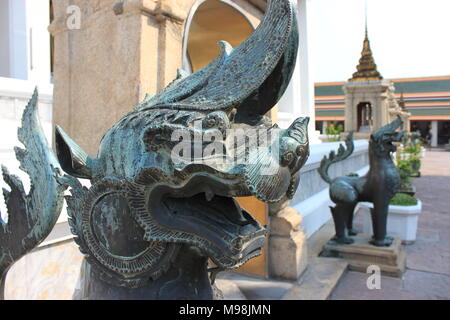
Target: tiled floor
428	259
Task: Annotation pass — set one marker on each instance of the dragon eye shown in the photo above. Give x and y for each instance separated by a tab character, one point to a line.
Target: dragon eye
288	158
299	151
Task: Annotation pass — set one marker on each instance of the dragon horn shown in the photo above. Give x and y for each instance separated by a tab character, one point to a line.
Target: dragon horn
266	60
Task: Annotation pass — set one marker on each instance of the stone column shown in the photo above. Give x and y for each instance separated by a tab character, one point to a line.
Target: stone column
382	104
18	40
435	133
299	98
324	125
4	39
288	257
38	18
350	108
379	113
387	90
120	51
408	123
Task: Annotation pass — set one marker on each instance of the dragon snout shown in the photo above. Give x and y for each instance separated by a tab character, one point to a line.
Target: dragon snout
296	145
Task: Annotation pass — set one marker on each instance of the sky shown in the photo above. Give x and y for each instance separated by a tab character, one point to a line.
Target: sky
409	38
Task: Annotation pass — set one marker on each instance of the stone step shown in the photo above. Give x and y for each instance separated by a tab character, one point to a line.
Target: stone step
319	239
316	283
319	280
254	288
229	290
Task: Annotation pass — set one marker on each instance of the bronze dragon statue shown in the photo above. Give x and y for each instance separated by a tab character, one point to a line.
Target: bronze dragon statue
161	201
378	186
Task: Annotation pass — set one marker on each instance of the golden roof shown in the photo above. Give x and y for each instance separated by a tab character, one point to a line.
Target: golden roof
367	69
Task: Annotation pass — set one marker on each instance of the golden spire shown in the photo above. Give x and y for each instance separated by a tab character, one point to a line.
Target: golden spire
401	102
367	69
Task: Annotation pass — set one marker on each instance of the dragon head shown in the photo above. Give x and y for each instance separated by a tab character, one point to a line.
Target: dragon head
383	139
169	171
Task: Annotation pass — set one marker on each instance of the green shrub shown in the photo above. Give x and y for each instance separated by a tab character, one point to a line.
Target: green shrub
415	162
405	170
334	130
413	149
412	143
402	199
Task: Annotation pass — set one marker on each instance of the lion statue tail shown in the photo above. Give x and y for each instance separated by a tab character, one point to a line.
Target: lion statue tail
342	154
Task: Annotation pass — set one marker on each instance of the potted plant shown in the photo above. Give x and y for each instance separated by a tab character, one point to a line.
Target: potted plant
403	216
405	169
415	162
412	151
413	145
332	132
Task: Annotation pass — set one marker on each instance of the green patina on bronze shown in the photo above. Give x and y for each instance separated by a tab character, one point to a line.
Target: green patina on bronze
32	216
148	224
378	186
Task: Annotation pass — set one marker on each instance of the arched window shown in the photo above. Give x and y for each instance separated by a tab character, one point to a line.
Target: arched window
212	21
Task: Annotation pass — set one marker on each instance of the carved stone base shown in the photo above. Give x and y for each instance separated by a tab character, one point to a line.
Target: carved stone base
288	256
361	254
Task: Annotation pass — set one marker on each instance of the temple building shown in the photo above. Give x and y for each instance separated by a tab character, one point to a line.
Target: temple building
427	99
370	101
367	101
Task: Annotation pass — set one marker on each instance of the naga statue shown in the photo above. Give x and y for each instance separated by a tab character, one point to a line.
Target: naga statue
159	220
378	186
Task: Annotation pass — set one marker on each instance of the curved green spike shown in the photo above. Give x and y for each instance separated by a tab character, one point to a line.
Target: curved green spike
32	216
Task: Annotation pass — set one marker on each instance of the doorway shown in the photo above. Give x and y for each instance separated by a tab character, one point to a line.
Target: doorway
365	120
443	132
424	127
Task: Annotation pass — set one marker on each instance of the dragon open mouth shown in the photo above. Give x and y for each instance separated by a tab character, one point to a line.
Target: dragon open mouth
205	208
